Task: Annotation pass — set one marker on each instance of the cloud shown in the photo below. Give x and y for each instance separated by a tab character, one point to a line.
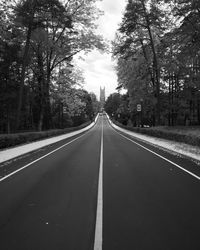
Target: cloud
98	68
108	23
99	71
112	7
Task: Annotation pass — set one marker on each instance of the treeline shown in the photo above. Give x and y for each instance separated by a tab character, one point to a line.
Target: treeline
157	48
117	107
40	86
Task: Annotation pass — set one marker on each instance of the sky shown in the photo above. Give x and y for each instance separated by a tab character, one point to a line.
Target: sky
98	68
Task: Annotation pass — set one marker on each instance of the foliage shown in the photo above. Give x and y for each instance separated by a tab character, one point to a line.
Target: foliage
180	135
38	40
157	52
9	140
117	107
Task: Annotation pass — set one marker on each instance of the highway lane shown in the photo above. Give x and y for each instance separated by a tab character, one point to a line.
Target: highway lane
147	202
52	203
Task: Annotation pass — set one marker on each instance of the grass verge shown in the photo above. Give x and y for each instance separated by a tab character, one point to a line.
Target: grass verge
188	135
10	140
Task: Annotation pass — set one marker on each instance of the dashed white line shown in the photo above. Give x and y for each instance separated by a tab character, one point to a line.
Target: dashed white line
98	241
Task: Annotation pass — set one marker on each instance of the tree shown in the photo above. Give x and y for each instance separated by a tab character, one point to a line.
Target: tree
181	61
112	104
49	34
95	103
31	15
141	29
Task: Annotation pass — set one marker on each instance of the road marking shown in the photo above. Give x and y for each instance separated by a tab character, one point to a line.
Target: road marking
98	241
20	169
160	156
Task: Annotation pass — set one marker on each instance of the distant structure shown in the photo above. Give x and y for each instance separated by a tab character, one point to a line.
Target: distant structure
102	98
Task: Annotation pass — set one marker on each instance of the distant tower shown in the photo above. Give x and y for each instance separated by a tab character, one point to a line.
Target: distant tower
102	98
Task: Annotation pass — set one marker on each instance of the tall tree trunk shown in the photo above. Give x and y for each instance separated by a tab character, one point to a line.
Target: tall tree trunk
41	82
8	121
40	123
23	71
198	111
155	64
148	65
172	100
169	101
48	119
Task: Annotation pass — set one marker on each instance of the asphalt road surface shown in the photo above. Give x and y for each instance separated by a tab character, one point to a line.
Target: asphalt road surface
100	190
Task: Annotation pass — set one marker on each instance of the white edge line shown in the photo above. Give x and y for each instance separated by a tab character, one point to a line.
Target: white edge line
162	157
20	169
44	142
98	241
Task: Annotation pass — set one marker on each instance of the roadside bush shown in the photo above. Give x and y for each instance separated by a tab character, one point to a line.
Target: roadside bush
10	140
166	133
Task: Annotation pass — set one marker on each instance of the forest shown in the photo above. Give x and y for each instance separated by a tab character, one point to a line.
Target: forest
157	49
41	87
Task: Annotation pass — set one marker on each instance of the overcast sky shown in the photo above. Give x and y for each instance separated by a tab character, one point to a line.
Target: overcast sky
99	68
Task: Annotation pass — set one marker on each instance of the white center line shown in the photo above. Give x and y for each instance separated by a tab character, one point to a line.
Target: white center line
98	241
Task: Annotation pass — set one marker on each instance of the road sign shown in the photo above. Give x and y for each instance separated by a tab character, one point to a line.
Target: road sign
139	107
64	110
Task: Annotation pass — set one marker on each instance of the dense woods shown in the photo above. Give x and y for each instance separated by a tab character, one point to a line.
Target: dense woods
157	48
40	85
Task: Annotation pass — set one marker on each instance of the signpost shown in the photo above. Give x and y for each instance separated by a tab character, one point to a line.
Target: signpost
64	110
139	107
139	110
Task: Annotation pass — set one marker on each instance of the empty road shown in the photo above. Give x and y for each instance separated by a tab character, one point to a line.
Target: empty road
100	190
